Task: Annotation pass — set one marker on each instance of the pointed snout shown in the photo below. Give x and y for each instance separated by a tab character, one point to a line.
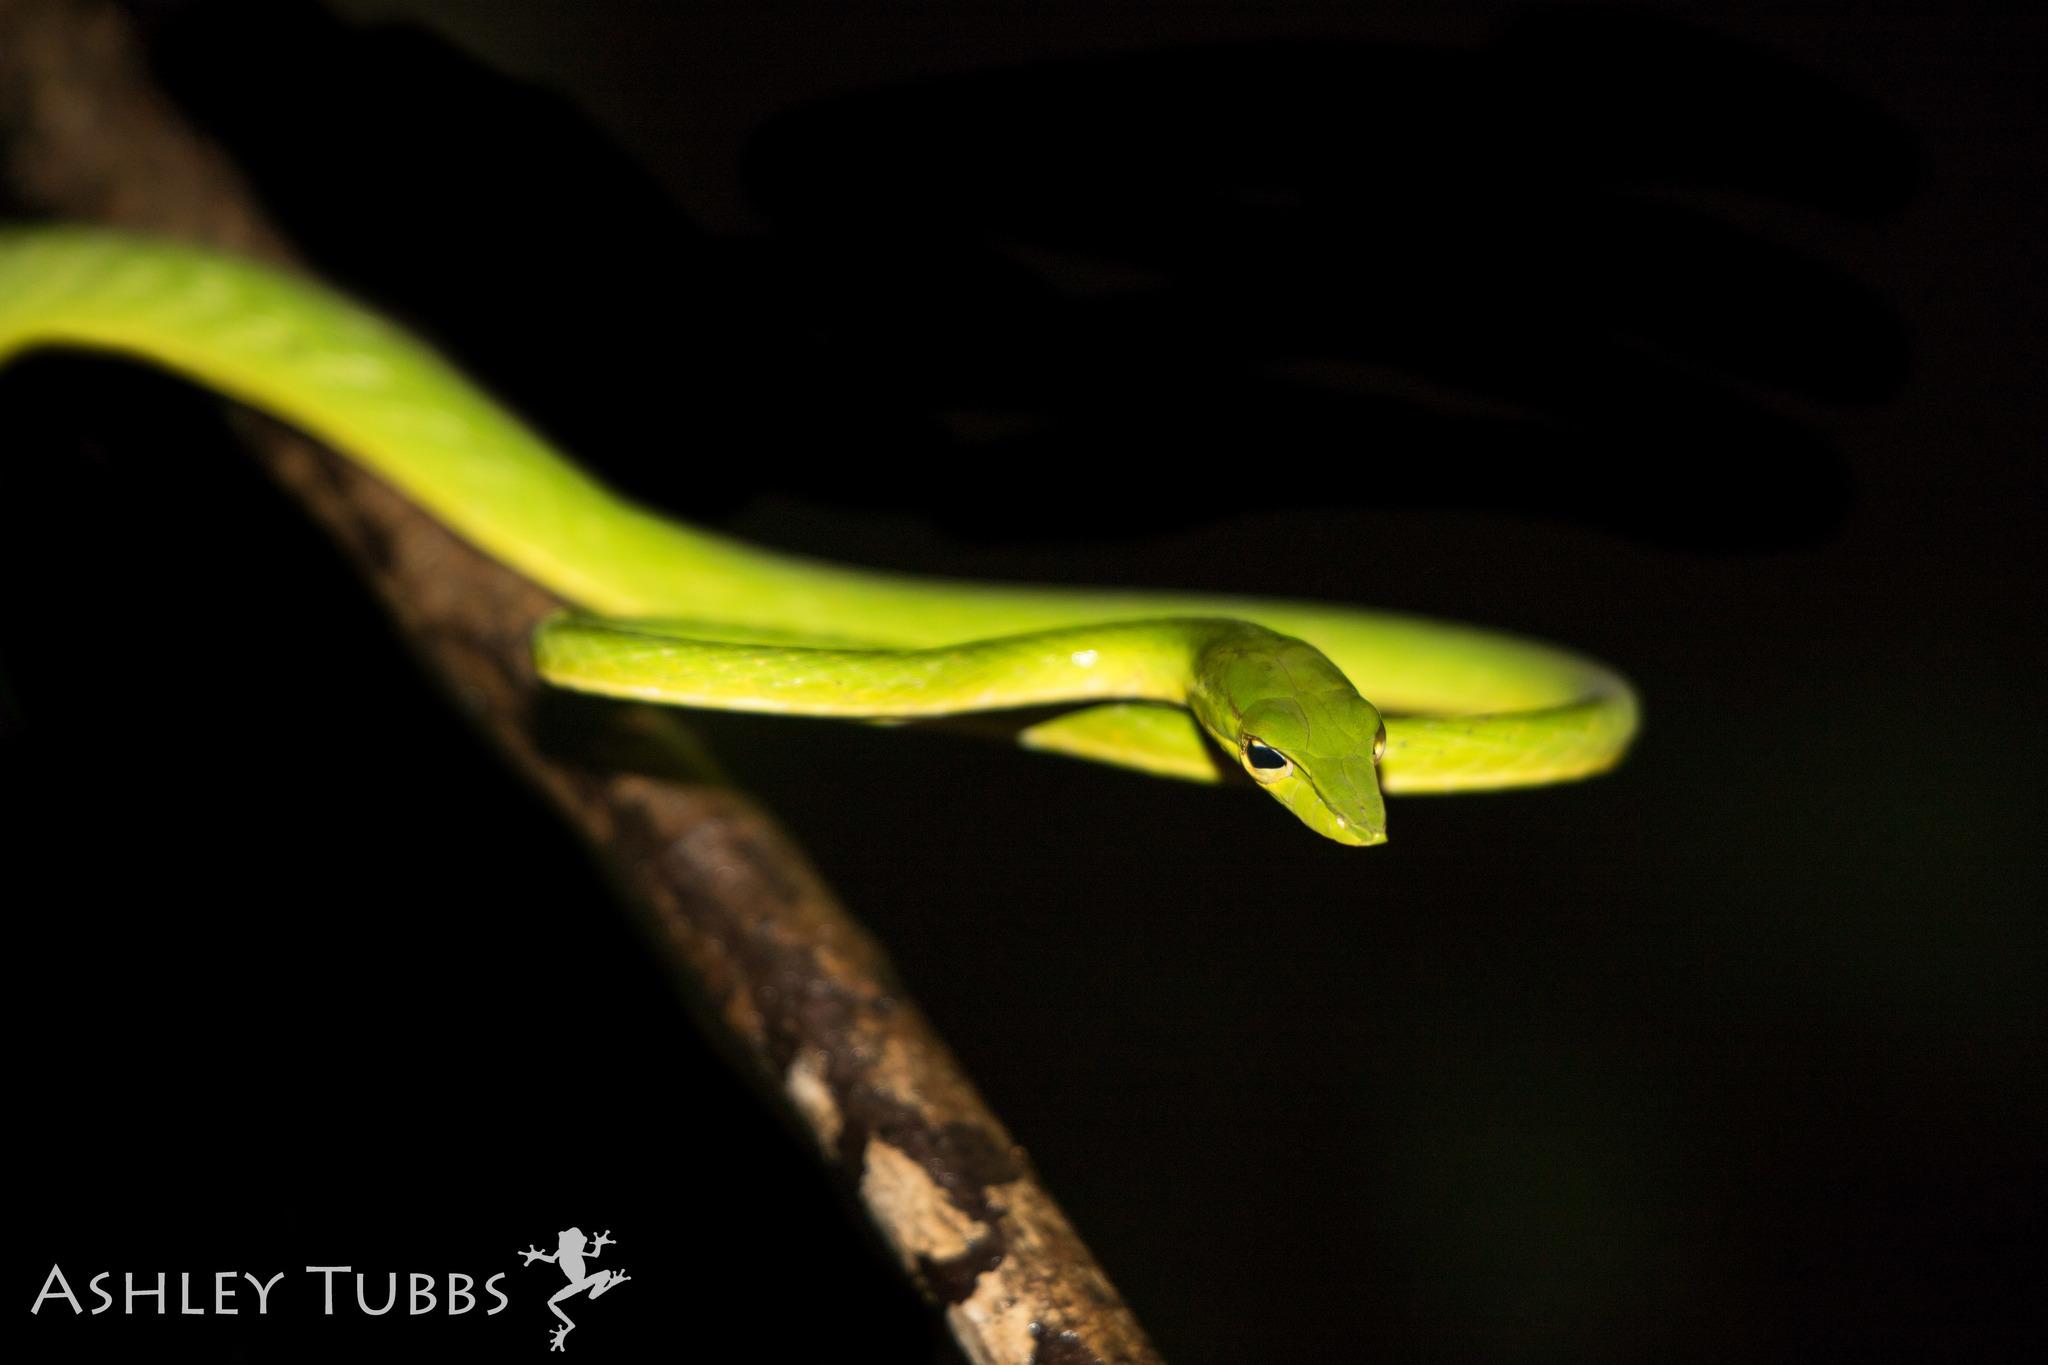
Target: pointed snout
1357	835
1343	811
1355	812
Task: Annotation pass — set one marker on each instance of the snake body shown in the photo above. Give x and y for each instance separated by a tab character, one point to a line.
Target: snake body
667	612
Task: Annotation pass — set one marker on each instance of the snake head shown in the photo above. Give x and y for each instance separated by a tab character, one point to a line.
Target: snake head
1315	756
1300	730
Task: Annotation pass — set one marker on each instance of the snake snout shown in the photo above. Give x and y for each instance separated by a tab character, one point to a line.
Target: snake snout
1357	835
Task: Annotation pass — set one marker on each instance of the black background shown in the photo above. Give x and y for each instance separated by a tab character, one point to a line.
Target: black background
1711	348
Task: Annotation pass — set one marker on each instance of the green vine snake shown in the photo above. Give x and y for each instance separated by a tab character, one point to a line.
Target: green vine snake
670	613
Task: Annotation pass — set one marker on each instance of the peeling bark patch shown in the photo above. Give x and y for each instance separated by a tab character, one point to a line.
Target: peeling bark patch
964	1159
914	1213
996	1323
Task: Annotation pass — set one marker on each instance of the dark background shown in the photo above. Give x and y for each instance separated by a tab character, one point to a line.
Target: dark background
1712	348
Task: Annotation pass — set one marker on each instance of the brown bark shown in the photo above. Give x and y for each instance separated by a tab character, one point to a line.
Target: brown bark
803	994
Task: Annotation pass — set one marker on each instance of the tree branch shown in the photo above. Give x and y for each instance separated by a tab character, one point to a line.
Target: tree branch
800	990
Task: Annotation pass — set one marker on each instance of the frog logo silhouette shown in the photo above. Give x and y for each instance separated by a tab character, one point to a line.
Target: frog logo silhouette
568	1256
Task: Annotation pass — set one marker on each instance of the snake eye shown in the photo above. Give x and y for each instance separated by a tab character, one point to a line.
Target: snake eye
1379	742
1264	762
